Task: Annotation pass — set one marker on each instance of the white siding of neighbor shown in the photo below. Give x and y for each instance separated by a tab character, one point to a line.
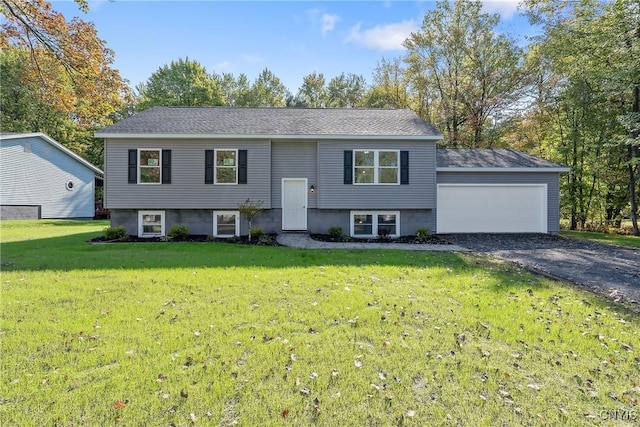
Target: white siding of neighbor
420	193
34	172
187	189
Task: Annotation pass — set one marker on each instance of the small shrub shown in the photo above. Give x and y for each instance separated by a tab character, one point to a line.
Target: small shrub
115	233
335	232
178	232
255	233
264	239
249	209
423	233
384	233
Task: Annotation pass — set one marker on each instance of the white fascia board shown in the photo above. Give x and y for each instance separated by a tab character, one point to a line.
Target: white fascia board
275	137
57	145
493	169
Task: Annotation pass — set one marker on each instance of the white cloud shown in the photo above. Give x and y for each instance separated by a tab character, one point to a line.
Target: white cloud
325	21
383	37
328	23
505	8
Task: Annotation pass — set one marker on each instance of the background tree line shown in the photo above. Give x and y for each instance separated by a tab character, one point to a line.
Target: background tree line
571	95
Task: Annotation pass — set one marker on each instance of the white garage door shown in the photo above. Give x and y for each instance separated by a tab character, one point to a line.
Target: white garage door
492	208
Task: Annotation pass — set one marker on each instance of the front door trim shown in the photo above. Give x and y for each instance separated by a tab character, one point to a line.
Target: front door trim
290	219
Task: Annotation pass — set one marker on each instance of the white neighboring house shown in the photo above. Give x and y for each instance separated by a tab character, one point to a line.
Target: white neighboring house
41	178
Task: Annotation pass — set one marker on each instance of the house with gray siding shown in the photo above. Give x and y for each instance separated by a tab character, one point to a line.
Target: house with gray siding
368	171
41	178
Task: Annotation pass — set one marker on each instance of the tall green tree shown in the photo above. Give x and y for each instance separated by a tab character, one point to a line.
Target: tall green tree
313	92
474	71
234	91
593	48
182	83
57	76
390	88
67	60
25	110
267	91
346	90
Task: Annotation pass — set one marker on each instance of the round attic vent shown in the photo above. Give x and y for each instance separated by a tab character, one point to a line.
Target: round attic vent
69	185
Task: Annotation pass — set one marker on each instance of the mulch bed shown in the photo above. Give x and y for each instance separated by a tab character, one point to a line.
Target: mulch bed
430	240
264	240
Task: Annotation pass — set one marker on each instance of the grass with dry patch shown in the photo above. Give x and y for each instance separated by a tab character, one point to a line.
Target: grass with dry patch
219	334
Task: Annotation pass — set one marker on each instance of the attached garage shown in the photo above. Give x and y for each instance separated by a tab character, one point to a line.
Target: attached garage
496	191
492	208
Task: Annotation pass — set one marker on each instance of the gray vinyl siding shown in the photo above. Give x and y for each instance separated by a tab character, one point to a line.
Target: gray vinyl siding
293	160
420	193
37	176
551	179
187	189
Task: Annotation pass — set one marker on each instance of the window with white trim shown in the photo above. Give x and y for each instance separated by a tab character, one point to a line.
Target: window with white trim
226	223
375	224
376	167
226	162
149	166
151	223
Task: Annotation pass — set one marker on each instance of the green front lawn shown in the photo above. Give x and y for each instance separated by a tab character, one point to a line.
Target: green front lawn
219	334
610	238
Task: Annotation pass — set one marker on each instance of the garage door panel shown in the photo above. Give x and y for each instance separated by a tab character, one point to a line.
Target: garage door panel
468	208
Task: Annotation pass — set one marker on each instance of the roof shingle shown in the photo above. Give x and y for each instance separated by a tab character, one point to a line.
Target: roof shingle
489	158
272	121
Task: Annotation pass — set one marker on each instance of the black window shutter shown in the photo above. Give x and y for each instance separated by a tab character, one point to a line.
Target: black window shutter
242	166
348	167
404	167
166	166
208	166
133	166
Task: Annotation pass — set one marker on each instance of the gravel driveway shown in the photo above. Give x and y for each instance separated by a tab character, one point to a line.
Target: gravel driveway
605	269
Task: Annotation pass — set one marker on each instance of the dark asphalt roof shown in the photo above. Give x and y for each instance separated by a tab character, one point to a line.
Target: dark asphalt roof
489	158
272	121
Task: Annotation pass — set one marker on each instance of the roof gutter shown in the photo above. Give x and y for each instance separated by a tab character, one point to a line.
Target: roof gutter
275	137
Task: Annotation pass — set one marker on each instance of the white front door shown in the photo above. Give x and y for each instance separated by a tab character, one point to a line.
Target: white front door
294	204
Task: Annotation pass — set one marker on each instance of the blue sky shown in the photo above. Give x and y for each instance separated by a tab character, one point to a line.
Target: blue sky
291	38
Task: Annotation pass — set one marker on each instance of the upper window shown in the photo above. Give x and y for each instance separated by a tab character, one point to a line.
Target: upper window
226	166
376	167
149	162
